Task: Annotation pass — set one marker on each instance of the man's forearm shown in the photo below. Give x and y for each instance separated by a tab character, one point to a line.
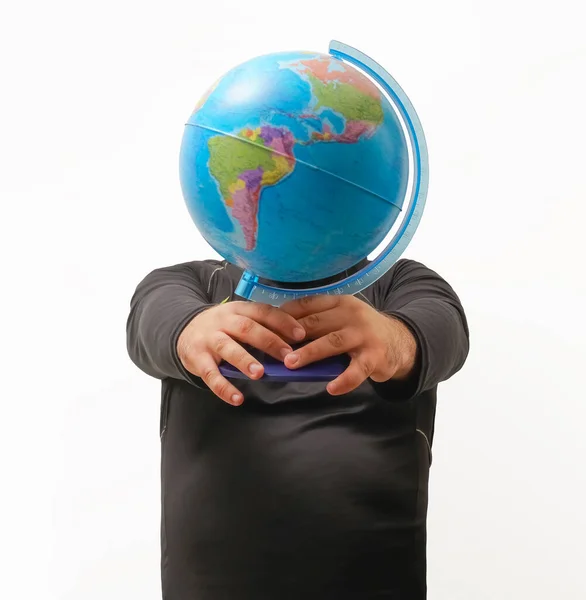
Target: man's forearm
441	339
428	305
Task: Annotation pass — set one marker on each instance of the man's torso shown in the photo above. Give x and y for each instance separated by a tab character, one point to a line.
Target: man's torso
295	494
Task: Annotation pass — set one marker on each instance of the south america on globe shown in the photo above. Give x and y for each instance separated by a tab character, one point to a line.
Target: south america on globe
294	166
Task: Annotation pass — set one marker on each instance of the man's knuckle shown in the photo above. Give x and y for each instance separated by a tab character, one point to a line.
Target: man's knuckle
244	325
197	339
271	342
336	339
240	356
219	342
312	320
208	375
264	310
190	361
221	388
306	301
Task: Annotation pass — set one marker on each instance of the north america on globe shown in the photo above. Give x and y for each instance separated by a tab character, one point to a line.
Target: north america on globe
256	157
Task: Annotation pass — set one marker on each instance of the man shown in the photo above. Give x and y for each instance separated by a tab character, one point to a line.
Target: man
293	490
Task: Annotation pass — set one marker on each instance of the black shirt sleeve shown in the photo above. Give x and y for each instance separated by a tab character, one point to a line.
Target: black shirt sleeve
429	306
162	305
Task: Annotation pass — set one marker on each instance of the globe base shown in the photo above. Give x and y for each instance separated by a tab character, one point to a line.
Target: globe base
274	370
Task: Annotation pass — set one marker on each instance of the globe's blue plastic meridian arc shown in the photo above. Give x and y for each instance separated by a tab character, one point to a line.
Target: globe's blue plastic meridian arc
250	286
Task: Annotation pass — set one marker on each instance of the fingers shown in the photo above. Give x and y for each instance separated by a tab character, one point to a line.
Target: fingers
248	331
232	352
302	307
318	324
359	370
332	344
208	370
272	318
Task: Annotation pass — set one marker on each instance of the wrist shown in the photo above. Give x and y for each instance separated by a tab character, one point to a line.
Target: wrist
405	343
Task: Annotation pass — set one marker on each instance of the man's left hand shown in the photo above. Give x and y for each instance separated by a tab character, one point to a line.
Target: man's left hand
380	347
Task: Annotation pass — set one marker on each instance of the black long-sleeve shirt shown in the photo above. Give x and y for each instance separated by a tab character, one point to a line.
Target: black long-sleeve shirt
296	494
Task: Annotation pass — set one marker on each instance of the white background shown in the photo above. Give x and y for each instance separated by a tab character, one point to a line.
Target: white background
93	101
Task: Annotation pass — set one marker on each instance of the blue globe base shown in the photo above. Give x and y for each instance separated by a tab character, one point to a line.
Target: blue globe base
274	370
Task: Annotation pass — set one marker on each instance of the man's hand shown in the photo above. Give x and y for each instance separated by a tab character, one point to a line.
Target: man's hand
214	335
381	347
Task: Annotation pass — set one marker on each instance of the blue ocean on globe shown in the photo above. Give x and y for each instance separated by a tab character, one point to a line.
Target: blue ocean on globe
294	166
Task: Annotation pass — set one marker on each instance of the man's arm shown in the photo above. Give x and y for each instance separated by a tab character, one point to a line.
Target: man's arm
164	302
430	308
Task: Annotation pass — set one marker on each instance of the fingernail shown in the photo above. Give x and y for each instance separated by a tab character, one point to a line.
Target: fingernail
285	352
255	368
236	399
293	358
331	388
298	333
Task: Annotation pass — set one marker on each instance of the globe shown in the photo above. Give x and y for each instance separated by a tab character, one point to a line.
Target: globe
294	166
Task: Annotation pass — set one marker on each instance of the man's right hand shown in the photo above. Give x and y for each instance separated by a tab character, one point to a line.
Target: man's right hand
214	335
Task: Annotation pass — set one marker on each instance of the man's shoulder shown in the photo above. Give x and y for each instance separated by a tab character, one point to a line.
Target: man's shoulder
202	268
198	272
401	266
